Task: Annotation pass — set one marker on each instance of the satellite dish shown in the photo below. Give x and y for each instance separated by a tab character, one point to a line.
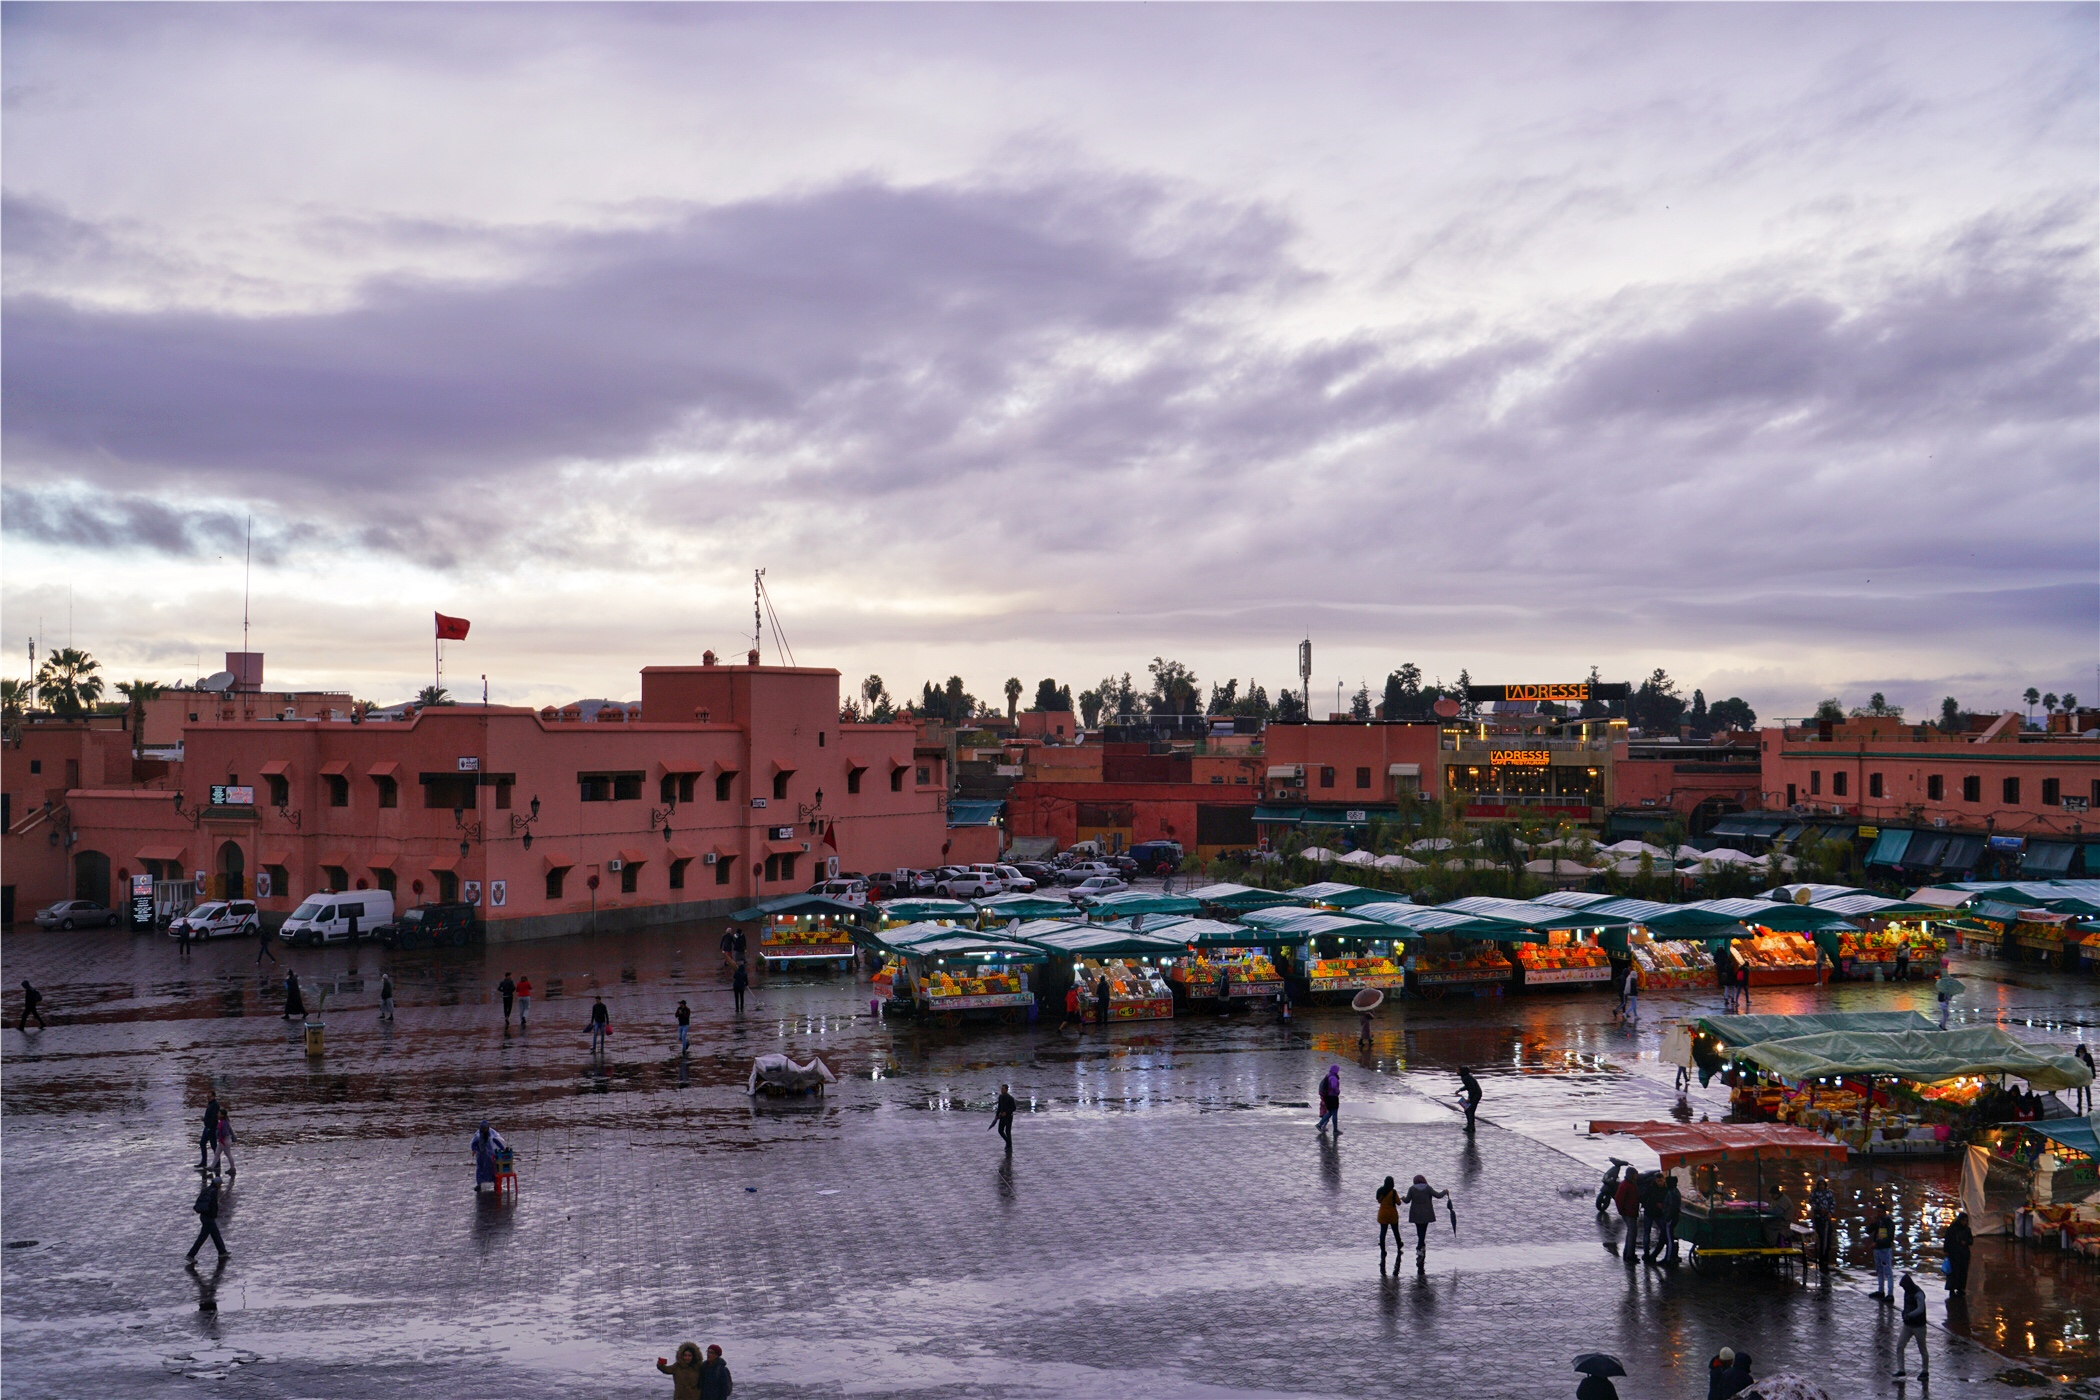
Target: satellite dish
1446	708
219	680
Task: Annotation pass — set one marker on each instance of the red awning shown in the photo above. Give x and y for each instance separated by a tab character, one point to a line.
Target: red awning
279	856
634	855
1679	1143
385	861
277	768
443	863
338	769
382	770
783	848
173	853
340	859
551	861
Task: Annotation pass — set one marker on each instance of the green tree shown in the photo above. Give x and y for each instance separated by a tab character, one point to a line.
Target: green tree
2070	701
1700	719
1878	706
1089	707
1830	708
1950	716
1290	706
1174	688
1732	713
2049	701
136	694
1254	704
70	682
14	699
2033	697
1656	705
1403	693
1223	698
433	695
1051	698
1468	708
1013	697
1360	703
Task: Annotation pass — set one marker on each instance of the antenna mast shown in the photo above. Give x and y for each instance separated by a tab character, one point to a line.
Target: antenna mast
247	569
757	622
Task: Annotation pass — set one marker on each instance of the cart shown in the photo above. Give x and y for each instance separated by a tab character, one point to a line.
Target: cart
1755	1232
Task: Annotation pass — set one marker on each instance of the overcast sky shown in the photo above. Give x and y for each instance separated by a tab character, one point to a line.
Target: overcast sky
1758	343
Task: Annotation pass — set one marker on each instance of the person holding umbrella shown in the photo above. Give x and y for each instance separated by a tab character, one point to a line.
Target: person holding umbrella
1597	1370
1947	989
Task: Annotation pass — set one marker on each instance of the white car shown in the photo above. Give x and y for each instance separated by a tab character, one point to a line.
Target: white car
1084	871
1011	881
970	884
345	915
844	891
1098	885
218	918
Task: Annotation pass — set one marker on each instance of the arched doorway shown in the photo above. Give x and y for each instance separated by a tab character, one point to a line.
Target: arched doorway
233	869
91	877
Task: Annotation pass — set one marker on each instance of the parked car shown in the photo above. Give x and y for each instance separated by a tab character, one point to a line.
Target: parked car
344	916
72	913
889	884
1042	872
218	918
1152	857
1123	865
923	881
1011	881
1098	885
845	891
431	925
968	884
1083	871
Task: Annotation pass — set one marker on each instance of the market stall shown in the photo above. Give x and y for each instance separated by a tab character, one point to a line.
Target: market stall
2058	1158
1716	1221
1557	947
1124	904
1451	953
1336	955
948	971
1134	964
1670	963
1230	899
1210	946
803	931
1007	908
1565	959
1336	894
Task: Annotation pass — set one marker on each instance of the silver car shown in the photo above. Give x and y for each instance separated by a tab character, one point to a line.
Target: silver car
76	913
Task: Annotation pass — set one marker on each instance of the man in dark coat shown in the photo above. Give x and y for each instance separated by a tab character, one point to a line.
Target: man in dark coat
508	990
1956	1241
1003	1116
715	1383
1101	999
1822	1213
740	982
1628	1200
31	998
294	1003
207	1209
1734	1379
211	1131
1469	1093
1913	1327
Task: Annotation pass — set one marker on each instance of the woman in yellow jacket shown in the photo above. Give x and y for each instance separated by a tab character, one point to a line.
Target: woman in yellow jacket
1389	1219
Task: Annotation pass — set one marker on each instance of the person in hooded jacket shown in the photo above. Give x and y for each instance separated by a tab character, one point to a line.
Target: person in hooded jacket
1735	1380
684	1372
294	1003
1331	1100
1956	1242
1717	1367
1628	1199
1913	1326
1389	1220
1421	1201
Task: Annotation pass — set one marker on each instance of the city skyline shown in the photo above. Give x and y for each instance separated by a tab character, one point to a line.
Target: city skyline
1752	344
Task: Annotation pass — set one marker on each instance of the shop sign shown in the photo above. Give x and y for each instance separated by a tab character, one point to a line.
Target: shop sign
1467	974
224	795
470	892
1560	693
1520	758
142	899
2008	843
1344	984
470	765
1356	814
969	1003
1546	977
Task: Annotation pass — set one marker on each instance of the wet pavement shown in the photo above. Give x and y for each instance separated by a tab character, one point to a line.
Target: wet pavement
1169	1223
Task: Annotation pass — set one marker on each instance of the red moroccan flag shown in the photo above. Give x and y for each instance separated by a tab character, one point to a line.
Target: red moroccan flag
452	629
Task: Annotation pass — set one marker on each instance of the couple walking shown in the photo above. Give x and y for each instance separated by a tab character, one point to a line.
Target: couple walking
1420	1199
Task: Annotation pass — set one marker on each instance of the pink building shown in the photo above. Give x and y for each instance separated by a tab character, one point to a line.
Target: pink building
734	784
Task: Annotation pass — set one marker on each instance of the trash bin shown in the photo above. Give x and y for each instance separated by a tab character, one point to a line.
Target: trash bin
313	1037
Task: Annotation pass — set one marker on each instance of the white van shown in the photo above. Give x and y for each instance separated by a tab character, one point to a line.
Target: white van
327	918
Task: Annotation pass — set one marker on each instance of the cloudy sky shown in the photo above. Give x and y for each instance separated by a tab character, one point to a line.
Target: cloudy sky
1758	343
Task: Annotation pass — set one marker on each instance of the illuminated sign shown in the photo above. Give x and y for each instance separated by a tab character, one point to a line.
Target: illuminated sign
1520	758
226	795
1570	693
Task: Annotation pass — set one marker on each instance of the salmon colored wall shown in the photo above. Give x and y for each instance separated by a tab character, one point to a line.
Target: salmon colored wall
1906	762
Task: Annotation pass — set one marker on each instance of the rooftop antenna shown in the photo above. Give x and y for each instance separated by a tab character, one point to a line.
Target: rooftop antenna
247	569
1305	675
757	623
779	636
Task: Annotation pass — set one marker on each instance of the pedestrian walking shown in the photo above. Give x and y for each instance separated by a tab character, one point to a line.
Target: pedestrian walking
294	1002
738	945
1363	1030
1421	1213
182	937
210	1136
1627	1197
1003	1116
524	1000
1651	1194
1913	1327
715	1382
2083	1095
1389	1221
684	1372
487	1145
1331	1100
1672	1212
1102	994
1881	1234
1468	1094
263	948
1742	991
1822	1214
31	1000
739	981
601	1025
728	949
386	996
1903	962
1631	988
222	1145
1073	1015
685	1024
508	990
206	1207
1956	1241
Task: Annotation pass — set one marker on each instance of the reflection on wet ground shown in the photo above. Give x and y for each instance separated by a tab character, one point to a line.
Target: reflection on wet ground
1169	1221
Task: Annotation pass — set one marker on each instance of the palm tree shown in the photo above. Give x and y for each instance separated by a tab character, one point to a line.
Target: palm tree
433	695
2033	697
69	681
138	693
1013	697
14	698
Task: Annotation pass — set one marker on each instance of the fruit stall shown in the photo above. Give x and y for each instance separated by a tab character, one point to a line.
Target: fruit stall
1777	959
1863	953
1464	967
1670	962
1134	961
1333	954
1352	974
803	931
1207	946
1565	959
945	971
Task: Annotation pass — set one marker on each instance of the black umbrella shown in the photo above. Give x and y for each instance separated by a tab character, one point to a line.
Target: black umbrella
1596	1363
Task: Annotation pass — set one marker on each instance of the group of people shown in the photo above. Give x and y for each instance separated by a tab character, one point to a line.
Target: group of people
693	1378
215	1164
1734	975
1651	1203
1420	1198
733	946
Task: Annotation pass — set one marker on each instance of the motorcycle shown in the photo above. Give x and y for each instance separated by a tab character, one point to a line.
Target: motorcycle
1609	1191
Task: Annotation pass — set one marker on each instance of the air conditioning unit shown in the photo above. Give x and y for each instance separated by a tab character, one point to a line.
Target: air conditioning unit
290	712
708	859
616	865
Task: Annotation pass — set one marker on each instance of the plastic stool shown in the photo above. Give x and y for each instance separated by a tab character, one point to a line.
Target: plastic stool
506	1171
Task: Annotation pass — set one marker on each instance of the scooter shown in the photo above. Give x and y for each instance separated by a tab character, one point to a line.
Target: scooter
1609	1191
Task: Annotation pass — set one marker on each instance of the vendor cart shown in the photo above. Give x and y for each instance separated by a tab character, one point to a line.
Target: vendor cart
1717	1223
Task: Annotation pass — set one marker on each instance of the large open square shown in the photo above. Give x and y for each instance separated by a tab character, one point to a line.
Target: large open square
1169	1222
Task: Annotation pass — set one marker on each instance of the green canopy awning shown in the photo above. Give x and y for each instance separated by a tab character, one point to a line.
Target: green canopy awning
1025	906
914	910
800	905
1689	921
1745	1030
2075	1133
1239	897
1339	895
1425	918
1101	941
1206	933
1923	1056
1125	902
1308	923
1774	915
1534	915
960	943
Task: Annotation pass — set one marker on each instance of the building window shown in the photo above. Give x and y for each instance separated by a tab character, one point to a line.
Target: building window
2011	792
280	790
721	871
630	876
1874	785
925	776
1326	777
2052	792
389	791
554	880
1815	782
1790	797
772	869
820	738
385	879
335	878
780	783
853	779
722	782
338	789
1363	777
1838	784
449	790
609	787
503	787
896	780
280	881
667	789
36	765
448	886
678	873
1972	789
1936	788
